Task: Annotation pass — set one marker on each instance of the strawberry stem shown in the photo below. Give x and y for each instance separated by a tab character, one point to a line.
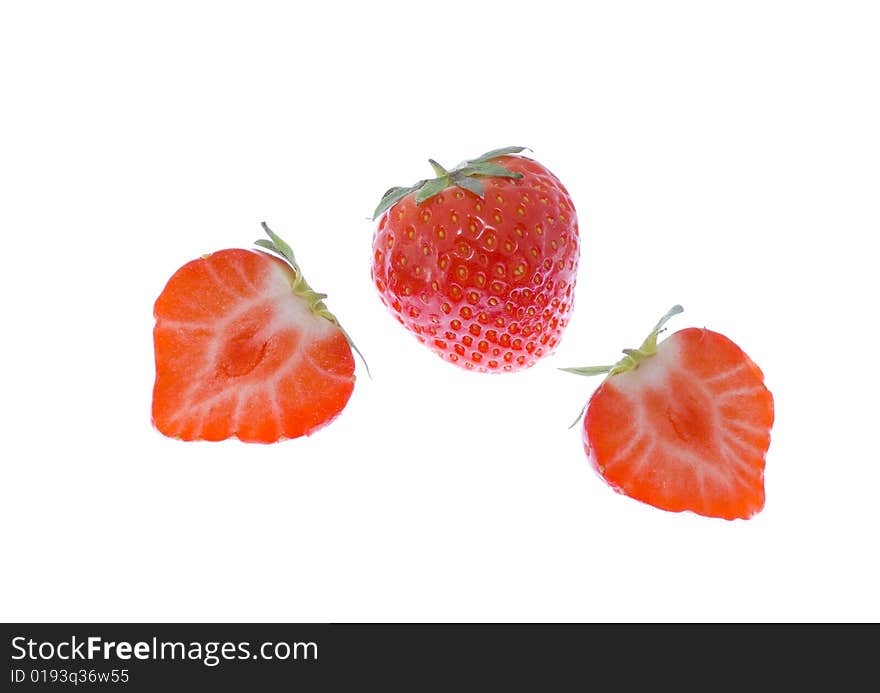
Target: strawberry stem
649	346
632	357
465	176
301	288
438	169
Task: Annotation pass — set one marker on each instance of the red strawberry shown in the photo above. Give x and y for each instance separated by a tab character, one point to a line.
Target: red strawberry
244	347
682	425
480	262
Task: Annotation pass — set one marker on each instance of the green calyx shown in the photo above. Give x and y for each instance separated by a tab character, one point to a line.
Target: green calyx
632	357
465	176
301	288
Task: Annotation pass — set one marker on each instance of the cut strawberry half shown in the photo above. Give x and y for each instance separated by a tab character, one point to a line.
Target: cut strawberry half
245	348
683	424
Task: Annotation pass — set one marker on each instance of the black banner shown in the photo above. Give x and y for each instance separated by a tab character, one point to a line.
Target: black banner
269	657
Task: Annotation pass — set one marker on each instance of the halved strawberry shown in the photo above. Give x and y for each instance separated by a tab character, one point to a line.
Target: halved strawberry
682	425
245	348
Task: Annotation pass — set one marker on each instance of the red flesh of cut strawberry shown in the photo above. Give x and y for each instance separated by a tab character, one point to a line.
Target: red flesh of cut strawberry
239	353
686	427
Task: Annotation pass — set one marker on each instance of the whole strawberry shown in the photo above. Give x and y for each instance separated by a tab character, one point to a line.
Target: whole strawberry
480	262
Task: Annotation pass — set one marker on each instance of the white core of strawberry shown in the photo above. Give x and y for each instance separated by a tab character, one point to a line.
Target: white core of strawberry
633	358
652	372
291	309
301	288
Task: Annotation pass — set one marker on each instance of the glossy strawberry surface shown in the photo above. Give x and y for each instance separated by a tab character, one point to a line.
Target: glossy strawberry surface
486	281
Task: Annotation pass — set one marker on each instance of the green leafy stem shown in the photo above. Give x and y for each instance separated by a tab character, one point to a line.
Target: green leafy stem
632	357
301	288
466	176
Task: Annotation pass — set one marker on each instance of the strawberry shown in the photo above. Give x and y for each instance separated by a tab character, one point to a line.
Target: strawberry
479	263
245	348
682	425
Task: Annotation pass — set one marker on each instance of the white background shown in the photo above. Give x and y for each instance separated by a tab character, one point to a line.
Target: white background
722	155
